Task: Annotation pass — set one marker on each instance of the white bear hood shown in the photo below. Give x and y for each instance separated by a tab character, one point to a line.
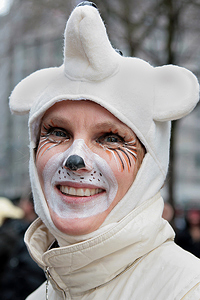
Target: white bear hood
144	97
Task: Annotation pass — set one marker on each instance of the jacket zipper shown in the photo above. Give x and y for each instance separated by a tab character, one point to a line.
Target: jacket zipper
47	274
48	277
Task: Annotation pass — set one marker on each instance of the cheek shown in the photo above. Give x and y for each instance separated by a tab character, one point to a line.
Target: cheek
122	162
123	168
124	179
46	150
42	159
40	164
124	156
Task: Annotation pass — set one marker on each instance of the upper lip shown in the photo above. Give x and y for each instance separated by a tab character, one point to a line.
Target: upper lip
78	185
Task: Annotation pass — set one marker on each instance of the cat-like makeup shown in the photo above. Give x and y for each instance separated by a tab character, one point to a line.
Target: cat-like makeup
86	164
75	193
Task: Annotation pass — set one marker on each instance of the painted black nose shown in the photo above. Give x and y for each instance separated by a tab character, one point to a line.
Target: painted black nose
87	3
75	162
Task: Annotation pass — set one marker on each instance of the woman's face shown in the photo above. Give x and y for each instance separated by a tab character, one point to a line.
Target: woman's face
86	164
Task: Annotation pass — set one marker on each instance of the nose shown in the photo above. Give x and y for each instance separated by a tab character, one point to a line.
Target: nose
75	162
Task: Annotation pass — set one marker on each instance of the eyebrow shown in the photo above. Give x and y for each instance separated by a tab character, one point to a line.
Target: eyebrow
105	125
111	126
56	120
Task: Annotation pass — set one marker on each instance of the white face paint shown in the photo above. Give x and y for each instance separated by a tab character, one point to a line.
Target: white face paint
95	183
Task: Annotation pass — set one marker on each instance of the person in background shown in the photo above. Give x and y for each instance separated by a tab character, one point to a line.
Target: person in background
189	237
8	212
20	275
99	130
168	213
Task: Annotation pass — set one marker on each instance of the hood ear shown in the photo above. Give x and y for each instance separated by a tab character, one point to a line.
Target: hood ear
88	53
27	91
176	93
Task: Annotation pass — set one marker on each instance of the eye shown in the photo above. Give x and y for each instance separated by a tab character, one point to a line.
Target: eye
55	135
58	133
111	140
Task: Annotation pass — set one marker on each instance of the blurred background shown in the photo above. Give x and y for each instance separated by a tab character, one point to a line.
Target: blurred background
159	31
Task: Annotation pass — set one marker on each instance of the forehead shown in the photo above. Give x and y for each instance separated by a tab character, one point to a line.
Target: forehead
82	111
77	107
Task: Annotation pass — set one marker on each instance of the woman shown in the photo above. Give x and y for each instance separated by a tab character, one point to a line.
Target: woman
99	146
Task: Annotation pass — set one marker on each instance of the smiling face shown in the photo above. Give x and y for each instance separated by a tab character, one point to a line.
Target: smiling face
86	161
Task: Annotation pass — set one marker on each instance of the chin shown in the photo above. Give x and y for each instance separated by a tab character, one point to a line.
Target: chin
78	226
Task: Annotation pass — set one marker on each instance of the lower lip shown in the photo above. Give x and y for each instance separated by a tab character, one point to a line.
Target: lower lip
78	199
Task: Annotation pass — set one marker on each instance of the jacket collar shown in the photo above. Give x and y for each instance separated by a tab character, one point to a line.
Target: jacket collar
86	265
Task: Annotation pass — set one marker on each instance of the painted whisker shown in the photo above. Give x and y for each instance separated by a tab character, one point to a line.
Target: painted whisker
44	142
130	146
132	152
133	142
124	152
42	145
51	147
112	152
122	163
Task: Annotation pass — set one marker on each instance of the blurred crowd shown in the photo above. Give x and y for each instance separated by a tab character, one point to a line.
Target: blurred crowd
19	274
187	227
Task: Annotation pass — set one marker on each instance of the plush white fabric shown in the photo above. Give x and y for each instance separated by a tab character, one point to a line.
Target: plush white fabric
143	97
83	58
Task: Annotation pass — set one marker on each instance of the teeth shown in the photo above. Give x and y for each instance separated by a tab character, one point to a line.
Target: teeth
71	191
79	192
87	192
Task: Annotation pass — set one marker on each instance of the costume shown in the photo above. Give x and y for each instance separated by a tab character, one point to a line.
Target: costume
136	259
134	240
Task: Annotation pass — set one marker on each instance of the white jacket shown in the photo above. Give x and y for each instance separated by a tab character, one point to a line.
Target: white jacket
137	259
